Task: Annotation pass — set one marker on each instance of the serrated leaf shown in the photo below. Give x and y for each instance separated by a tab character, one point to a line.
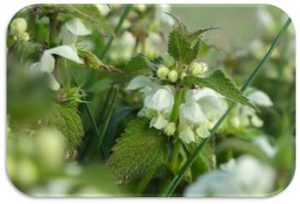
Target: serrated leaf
139	65
194	35
139	150
220	83
87	12
179	47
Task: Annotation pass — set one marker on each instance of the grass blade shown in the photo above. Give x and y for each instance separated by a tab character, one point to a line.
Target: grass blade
177	179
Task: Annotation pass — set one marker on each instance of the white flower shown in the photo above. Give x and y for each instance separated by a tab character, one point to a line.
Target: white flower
191	113
186	134
214	183
103	9
143	83
72	29
260	98
47	62
265	145
162	100
122	48
245	177
170	129
253	177
212	103
202	132
158	122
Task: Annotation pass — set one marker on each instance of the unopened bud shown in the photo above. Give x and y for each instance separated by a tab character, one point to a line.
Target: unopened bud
162	72
18	25
173	76
170	129
198	68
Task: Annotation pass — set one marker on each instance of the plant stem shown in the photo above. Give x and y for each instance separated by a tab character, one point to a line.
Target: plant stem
117	29
174	118
177	179
52	29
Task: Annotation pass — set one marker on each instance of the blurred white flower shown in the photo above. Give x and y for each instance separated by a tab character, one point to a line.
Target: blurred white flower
265	145
260	98
243	116
145	84
103	9
245	177
47	62
122	48
72	29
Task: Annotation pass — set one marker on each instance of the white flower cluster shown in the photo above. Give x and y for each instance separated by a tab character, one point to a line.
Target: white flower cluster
199	110
246	176
244	116
18	29
124	46
70	32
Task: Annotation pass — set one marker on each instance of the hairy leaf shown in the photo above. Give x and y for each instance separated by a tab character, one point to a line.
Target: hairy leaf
139	150
180	48
220	83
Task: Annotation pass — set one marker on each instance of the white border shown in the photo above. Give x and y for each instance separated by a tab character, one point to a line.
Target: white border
8	192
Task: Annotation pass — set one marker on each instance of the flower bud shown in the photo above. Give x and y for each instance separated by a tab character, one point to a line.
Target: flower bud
170	129
22	36
18	25
173	76
162	72
198	68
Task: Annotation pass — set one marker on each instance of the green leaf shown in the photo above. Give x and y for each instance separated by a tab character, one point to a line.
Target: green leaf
194	35
87	12
220	83
180	48
136	66
138	151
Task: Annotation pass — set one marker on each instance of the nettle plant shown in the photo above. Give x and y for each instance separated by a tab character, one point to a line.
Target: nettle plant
181	101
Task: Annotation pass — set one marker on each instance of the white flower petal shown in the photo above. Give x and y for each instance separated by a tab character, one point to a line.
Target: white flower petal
162	100
254	177
191	112
215	183
260	98
186	134
139	82
256	121
202	132
264	144
53	84
76	27
65	51
159	122
47	63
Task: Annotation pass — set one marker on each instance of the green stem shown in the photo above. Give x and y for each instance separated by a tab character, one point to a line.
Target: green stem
174	118
175	155
144	181
117	29
177	179
52	29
